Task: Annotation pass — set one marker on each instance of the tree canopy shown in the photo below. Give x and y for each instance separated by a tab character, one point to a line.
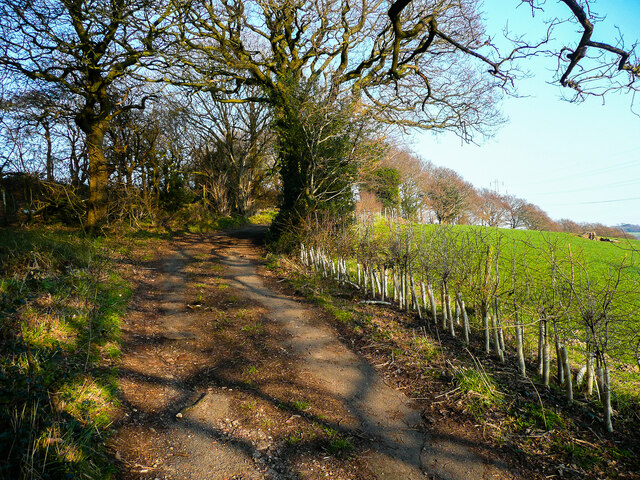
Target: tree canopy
425	64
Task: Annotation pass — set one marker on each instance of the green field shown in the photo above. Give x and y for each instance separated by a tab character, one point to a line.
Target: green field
585	294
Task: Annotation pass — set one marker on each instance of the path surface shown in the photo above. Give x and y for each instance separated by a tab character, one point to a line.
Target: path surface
184	435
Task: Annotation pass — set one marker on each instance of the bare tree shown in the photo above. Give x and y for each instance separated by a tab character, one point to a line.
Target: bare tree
491	209
88	49
233	153
448	194
534	218
514	210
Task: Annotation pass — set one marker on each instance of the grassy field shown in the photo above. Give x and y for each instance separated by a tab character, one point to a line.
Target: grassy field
530	422
585	293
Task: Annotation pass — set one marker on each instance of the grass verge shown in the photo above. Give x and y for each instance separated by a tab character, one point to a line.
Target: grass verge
61	301
534	426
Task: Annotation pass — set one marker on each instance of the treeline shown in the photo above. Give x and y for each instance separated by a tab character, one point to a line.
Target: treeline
185	153
407	186
196	155
529	299
137	108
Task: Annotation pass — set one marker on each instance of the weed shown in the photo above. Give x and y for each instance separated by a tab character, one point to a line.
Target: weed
254	328
342	315
397	352
480	387
272	262
61	303
328	431
339	446
263	217
250	371
424	347
293	439
301	405
581	456
535	416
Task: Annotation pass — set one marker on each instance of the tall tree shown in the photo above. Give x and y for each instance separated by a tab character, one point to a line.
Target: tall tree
415	63
515	208
351	52
232	152
385	183
89	49
491	209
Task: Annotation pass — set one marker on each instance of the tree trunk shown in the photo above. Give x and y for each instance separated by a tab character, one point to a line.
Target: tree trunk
498	325
452	329
47	137
98	178
432	301
546	355
519	347
559	359
567	370
606	402
590	373
385	293
444	308
415	296
465	318
423	291
485	327
496	340
396	295
540	346
407	291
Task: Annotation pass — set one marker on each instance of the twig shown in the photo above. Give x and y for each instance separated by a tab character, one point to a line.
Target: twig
447	393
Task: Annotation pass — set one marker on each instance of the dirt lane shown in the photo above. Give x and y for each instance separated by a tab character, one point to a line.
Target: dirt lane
182	398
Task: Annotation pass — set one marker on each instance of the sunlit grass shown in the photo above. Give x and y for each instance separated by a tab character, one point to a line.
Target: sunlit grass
60	307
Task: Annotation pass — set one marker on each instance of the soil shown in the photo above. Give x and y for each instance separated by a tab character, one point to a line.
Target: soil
225	375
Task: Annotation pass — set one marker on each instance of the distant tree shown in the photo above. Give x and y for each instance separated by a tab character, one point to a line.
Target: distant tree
411	198
386	186
569	226
232	152
368	202
605	231
491	208
514	209
534	218
448	194
414	175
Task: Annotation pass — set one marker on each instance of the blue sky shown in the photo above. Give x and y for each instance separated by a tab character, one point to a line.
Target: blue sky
577	161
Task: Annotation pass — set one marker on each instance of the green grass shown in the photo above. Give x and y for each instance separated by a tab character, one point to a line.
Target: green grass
60	308
301	405
263	217
535	416
542	273
481	389
340	446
